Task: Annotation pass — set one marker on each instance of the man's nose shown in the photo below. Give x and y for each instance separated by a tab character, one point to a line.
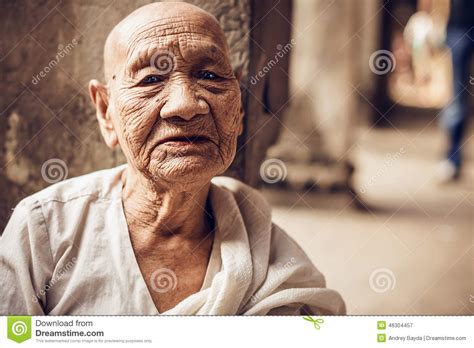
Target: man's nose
183	102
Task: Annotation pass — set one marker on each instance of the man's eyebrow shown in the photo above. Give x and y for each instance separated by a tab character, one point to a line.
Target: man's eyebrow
208	54
142	58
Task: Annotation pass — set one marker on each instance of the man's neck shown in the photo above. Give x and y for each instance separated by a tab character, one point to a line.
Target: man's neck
155	213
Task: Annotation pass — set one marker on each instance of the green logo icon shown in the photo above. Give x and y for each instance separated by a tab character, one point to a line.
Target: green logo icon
316	322
381	338
381	325
19	328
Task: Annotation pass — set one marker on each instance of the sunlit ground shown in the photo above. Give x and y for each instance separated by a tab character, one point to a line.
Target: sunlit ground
411	251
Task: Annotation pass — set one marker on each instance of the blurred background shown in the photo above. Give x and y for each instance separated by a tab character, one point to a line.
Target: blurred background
358	130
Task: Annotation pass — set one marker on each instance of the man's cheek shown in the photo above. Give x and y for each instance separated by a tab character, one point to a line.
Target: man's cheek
137	123
228	129
228	123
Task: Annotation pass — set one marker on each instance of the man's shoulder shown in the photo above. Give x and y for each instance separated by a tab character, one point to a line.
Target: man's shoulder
249	200
99	184
240	190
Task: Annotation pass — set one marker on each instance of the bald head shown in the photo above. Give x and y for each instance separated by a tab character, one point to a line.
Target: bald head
159	23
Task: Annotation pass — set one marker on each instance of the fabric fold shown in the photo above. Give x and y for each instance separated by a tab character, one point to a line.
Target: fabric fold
75	232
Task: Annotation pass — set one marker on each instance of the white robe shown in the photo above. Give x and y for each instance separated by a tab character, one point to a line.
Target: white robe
66	251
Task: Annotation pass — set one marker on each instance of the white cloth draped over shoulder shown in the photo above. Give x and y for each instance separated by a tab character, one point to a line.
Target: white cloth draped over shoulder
66	251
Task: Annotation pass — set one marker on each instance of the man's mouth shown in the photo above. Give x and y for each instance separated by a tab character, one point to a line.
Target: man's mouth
184	140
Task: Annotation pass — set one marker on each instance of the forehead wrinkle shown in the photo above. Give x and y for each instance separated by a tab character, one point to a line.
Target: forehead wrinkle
166	31
146	22
178	22
203	54
146	46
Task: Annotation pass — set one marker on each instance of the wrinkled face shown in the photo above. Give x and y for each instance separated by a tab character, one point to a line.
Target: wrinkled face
176	101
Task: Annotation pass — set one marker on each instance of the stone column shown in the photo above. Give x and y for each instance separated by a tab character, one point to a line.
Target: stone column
329	77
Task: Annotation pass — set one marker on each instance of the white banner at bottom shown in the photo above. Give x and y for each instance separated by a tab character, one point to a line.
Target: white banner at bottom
272	331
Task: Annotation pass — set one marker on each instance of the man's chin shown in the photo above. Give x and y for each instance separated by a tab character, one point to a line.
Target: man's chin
186	169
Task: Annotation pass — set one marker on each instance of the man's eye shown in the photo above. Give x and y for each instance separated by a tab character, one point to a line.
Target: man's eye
151	79
208	75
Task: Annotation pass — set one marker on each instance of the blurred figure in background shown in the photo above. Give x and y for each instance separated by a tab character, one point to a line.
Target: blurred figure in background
460	40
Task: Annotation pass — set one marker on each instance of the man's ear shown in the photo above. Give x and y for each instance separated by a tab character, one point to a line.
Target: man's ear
100	97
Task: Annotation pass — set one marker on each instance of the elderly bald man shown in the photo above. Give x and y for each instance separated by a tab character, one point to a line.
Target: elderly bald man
161	234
